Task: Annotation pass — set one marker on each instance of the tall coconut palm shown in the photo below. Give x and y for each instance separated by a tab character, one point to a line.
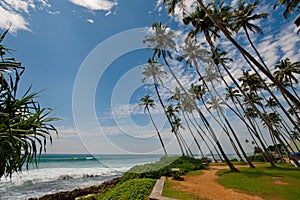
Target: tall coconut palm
148	102
243	17
285	72
221	25
217	105
178	125
154	70
290	5
185	106
164	50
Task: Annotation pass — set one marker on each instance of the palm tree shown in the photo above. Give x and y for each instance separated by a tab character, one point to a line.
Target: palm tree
161	41
243	16
291	5
193	53
217	105
154	70
163	49
148	102
177	125
219	22
285	73
185	106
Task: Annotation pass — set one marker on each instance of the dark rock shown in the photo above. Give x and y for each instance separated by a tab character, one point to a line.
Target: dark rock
71	195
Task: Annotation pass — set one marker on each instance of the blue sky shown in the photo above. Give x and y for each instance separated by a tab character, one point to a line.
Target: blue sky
52	39
58	40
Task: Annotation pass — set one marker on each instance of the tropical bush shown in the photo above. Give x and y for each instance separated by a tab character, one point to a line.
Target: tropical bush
163	168
261	157
130	189
25	126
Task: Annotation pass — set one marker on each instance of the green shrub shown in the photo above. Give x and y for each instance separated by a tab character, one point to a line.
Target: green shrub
257	158
130	189
163	168
234	160
260	157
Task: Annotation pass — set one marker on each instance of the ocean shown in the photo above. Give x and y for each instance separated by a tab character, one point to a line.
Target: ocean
57	173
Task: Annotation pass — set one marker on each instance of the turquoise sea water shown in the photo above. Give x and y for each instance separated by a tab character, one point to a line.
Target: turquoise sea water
67	172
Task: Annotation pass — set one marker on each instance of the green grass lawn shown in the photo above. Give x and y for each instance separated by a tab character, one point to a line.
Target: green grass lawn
282	182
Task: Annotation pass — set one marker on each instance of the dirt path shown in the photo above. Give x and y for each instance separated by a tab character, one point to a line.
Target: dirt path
206	187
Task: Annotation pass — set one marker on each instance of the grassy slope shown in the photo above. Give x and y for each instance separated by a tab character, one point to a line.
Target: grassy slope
138	182
131	189
270	183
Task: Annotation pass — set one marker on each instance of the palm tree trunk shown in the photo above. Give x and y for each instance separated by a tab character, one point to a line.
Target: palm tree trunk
157	131
209	139
164	108
230	165
248	55
230	75
190	130
252	45
237	141
205	142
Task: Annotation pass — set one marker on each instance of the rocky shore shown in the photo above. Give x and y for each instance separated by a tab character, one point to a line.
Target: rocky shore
71	195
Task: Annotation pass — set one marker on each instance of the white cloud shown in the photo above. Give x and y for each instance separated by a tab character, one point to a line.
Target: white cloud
94	4
90	21
15	11
17	20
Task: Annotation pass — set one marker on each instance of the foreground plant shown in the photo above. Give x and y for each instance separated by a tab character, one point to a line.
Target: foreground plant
25	127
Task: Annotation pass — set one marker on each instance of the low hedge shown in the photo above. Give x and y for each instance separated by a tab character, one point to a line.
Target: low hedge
130	189
260	157
163	167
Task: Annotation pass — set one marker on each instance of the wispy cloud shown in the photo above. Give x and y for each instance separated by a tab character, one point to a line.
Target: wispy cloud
15	12
95	4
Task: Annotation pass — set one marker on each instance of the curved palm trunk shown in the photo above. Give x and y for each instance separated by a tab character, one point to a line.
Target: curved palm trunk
164	108
274	96
237	141
233	132
190	130
230	165
157	131
293	88
209	139
231	77
249	56
186	146
255	49
206	144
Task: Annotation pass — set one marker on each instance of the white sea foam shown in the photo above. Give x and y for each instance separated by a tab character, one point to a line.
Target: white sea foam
53	174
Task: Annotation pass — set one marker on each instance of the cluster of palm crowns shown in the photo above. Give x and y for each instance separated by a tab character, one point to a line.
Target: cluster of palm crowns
263	98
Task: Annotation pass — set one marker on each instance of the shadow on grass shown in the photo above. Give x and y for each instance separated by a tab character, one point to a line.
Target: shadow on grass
281	182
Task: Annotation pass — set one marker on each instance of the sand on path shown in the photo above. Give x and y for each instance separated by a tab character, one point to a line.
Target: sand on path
205	186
